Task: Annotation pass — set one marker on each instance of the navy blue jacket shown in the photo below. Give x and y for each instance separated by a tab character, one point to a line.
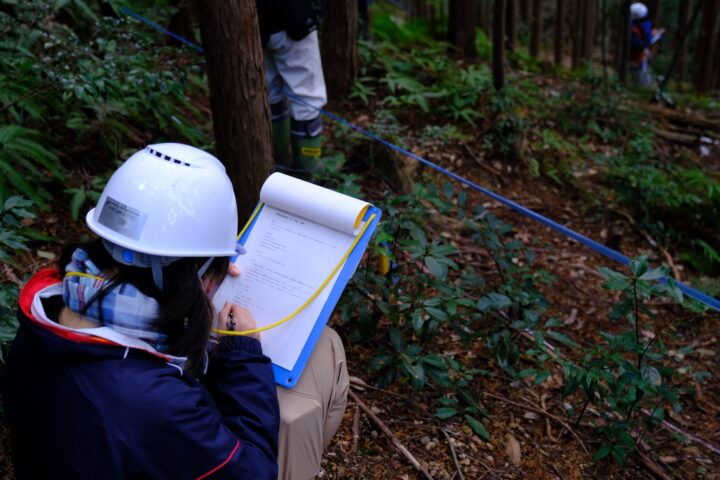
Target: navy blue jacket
82	407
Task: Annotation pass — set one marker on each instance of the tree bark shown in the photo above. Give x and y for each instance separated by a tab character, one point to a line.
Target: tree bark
339	47
579	24
461	26
181	22
238	96
683	16
653	11
559	31
537	23
498	64
511	24
705	60
683	33
624	40
525	11
589	29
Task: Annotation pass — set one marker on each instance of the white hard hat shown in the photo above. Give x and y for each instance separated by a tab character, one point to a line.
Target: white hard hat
169	200
638	10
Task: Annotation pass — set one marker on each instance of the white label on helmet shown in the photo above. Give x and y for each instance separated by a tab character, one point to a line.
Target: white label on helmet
122	219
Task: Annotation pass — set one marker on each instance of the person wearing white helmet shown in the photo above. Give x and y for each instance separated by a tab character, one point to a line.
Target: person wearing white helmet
112	373
642	37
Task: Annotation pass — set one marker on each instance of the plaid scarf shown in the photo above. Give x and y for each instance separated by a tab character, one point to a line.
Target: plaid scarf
123	308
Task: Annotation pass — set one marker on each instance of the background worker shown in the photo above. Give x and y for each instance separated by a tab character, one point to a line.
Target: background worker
292	65
642	37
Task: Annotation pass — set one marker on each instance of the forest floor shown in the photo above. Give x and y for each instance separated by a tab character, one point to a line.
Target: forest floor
530	432
530	438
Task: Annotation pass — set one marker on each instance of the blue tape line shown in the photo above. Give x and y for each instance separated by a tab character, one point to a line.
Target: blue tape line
588	242
154	25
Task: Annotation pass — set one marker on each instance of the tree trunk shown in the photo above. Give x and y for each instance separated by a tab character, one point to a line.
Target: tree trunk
525	11
181	22
624	40
498	64
705	56
461	26
589	29
653	11
683	33
603	37
537	23
339	47
511	24
683	16
238	96
579	24
559	31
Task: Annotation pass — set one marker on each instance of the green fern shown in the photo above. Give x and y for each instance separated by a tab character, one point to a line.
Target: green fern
25	163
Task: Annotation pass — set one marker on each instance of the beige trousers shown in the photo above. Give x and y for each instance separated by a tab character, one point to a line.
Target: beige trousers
311	412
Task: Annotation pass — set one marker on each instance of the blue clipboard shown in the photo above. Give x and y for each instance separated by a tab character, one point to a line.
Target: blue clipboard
288	378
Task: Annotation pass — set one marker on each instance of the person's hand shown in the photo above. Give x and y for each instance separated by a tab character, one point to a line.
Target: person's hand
233	270
235	318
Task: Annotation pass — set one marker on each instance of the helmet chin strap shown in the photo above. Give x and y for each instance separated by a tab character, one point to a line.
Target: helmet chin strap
204	267
156	266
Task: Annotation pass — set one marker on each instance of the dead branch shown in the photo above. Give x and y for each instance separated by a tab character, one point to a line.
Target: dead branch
356	429
681	138
454	455
482	164
401	448
543	412
360	384
652	467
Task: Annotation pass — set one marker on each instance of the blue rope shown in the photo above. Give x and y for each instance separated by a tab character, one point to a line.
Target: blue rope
154	25
588	242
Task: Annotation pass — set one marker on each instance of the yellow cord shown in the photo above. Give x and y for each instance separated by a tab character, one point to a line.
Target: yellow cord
86	275
313	296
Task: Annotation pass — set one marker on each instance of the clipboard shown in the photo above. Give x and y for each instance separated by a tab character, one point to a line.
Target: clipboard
289	378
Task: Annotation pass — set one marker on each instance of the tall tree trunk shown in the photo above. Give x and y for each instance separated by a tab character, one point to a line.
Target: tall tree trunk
511	24
653	11
525	11
238	96
339	47
498	31
537	23
624	40
181	21
705	56
603	37
683	16
559	31
577	34
461	26
588	39
684	32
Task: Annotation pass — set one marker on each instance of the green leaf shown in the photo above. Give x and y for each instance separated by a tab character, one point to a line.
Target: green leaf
436	269
603	452
445	412
651	375
614	280
562	338
478	427
493	301
437	314
654	274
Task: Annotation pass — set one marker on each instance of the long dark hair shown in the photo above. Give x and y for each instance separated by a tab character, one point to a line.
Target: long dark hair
185	310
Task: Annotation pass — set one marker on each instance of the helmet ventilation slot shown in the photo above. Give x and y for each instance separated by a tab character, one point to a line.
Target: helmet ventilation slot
167	158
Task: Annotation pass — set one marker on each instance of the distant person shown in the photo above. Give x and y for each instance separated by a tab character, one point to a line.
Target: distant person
292	65
642	37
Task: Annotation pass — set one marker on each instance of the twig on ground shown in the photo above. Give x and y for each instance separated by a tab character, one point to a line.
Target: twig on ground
482	164
356	429
652	467
360	384
401	448
454	455
543	412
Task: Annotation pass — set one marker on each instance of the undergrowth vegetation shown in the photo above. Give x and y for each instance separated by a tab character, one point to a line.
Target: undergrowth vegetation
111	88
